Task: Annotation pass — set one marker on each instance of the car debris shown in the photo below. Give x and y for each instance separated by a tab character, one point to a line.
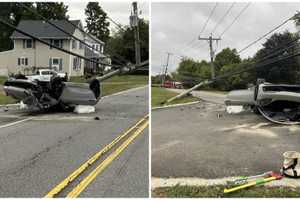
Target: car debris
278	103
43	95
58	94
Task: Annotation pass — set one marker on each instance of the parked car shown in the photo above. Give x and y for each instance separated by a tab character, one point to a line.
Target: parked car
45	75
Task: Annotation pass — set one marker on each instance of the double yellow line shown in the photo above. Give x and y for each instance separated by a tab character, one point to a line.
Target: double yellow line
135	131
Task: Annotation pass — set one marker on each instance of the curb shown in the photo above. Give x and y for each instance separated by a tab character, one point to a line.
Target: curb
176	105
193	181
9	105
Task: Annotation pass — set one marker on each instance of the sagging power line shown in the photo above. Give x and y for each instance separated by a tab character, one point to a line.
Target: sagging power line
269	32
52	45
251	67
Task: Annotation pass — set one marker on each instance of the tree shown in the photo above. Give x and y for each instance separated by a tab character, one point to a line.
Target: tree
226	57
122	42
14	12
96	22
286	71
52	10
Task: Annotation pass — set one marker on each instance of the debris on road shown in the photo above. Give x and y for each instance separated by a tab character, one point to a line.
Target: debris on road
259	181
234	109
278	103
82	109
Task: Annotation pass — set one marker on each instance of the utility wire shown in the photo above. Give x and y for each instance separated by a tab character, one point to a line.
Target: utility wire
235	19
95	39
211	13
223	17
51	45
60	29
115	23
266	34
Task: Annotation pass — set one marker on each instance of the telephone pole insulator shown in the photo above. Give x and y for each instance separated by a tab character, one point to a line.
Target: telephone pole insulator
210	39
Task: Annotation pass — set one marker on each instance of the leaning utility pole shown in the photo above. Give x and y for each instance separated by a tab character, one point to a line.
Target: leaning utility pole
210	39
165	69
134	23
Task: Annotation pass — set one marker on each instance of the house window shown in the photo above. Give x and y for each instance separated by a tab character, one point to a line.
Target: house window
76	63
56	64
74	44
80	45
28	44
22	61
57	43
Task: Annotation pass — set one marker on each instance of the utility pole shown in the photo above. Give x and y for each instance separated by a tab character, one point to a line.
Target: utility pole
210	39
165	69
134	23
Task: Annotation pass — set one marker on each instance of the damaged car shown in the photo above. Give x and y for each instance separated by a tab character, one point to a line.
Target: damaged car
46	95
279	103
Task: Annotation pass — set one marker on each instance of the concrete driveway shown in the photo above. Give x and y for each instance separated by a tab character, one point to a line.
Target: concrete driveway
202	140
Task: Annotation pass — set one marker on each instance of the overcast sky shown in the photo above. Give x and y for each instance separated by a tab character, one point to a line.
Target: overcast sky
175	25
118	11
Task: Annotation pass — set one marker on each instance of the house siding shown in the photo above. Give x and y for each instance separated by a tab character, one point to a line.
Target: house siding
39	57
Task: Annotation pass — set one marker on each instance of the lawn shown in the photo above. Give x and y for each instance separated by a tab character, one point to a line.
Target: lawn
2	79
160	95
118	83
6	99
217	191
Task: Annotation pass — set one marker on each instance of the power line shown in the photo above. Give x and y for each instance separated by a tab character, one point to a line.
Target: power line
59	28
223	17
266	34
115	23
235	19
229	74
51	45
95	39
211	13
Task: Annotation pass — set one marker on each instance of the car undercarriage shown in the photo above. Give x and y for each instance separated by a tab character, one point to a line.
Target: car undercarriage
279	103
39	95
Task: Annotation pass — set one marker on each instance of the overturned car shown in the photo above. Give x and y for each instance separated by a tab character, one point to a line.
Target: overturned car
279	103
56	93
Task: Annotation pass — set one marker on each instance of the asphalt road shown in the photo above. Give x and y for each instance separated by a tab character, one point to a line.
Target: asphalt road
38	154
205	95
204	141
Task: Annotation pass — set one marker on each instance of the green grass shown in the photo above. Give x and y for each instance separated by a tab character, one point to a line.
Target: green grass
117	83
121	83
217	191
2	79
6	99
160	95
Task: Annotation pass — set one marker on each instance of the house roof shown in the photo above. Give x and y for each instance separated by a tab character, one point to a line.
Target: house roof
42	29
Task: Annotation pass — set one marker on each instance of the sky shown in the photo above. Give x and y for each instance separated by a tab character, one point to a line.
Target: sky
175	28
118	11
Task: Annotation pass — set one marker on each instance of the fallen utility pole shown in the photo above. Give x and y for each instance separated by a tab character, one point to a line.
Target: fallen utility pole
125	69
165	69
210	81
210	39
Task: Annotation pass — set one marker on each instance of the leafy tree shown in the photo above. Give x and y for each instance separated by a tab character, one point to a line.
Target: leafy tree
52	10
122	42
13	12
226	57
286	71
96	22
